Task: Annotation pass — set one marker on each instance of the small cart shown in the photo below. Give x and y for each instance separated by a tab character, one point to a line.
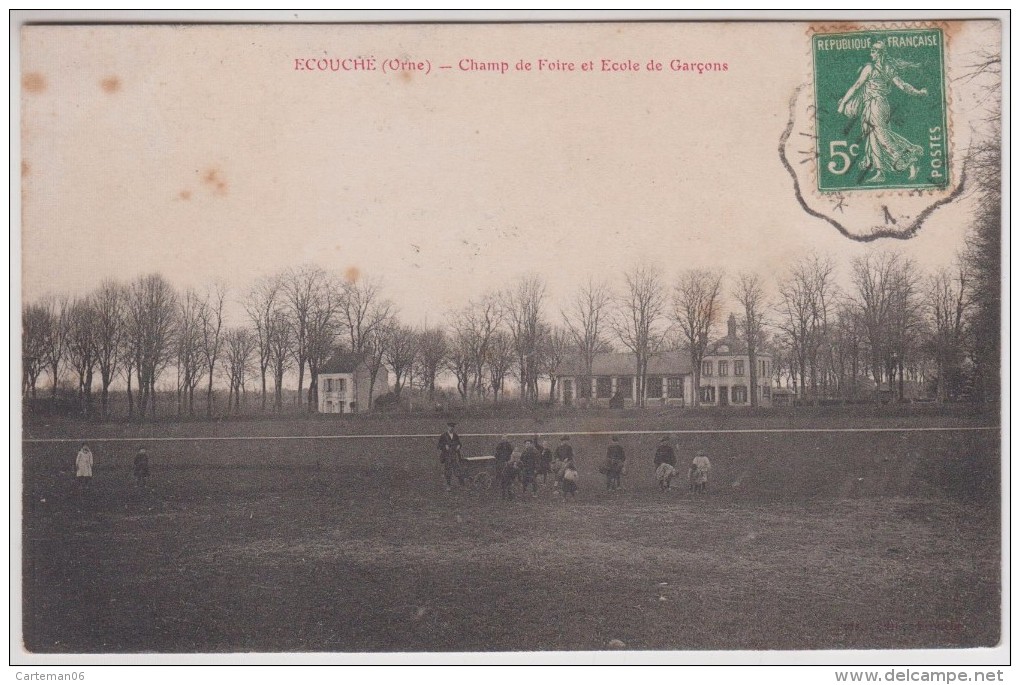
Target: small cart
479	471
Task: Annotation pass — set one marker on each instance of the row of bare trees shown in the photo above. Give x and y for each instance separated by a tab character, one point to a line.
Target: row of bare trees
825	340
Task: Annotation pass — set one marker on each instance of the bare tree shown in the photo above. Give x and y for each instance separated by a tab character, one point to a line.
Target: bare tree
364	311
152	317
432	350
280	336
301	287
585	319
640	321
948	309
848	343
696	310
475	325
373	352
459	363
807	296
188	339
36	332
984	244
554	345
400	354
501	359
522	305
750	294
109	305
212	337
323	328
262	305
81	349
240	345
56	344
886	297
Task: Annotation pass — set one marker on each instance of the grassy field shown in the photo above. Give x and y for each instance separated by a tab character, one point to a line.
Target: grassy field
804	541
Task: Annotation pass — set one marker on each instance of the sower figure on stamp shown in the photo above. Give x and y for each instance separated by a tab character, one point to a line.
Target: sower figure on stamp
449	455
868	100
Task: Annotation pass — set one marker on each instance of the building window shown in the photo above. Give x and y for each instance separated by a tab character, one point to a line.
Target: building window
653	387
329	385
724	368
706	368
762	367
675	387
766	391
738	367
603	387
584	387
708	394
739	394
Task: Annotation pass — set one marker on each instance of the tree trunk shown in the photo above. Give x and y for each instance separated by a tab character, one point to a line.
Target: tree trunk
752	359
209	395
54	368
901	380
696	389
263	389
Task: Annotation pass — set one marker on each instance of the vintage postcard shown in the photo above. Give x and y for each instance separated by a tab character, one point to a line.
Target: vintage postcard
563	339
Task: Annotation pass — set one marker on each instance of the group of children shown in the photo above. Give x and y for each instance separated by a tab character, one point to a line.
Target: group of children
533	461
537	460
84	462
666	468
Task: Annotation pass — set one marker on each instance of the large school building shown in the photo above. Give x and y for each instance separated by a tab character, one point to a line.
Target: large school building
669	381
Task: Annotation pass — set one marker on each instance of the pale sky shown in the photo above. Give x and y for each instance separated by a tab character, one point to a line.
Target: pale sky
201	152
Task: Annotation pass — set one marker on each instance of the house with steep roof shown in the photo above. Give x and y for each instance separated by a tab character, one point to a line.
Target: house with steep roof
726	372
344	384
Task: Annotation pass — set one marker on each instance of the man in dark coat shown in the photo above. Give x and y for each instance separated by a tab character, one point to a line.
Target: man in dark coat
503	454
529	466
449	455
545	457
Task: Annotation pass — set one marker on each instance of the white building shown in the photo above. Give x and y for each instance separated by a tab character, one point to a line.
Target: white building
344	383
726	372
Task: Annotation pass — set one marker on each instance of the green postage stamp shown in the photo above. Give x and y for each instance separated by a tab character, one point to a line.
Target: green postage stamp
880	110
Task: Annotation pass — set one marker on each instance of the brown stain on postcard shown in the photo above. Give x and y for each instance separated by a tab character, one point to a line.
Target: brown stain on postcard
33	82
110	84
213	178
352	274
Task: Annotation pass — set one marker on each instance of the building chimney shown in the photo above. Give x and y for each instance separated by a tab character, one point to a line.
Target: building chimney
731	326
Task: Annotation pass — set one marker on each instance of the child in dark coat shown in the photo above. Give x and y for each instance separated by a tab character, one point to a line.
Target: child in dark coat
141	467
507	475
